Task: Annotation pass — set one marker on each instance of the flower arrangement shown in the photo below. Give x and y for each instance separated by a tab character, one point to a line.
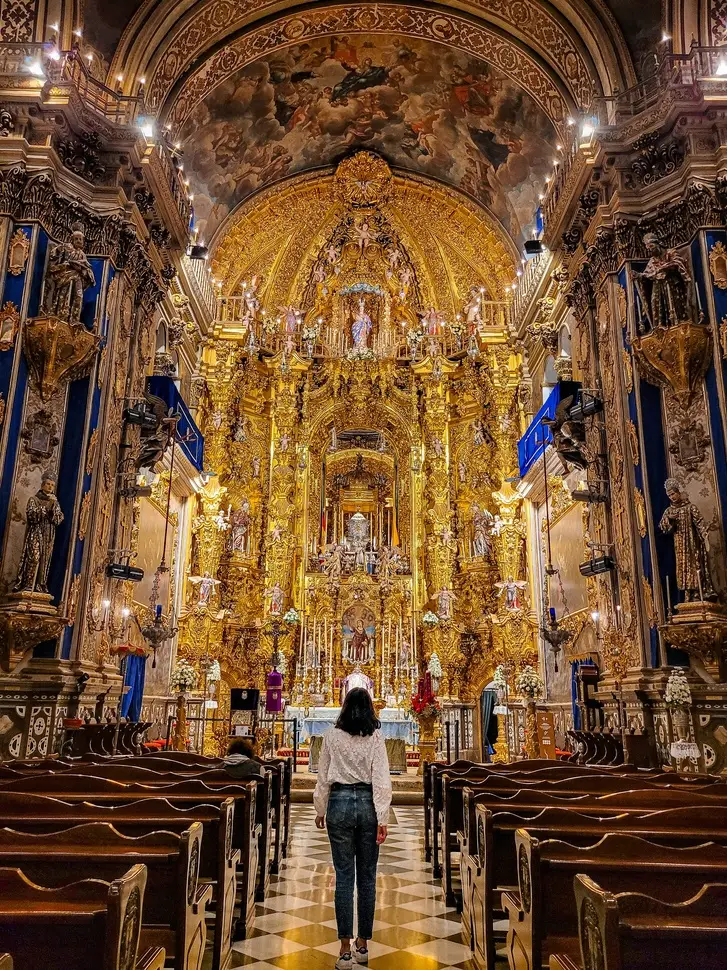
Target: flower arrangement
310	333
361	353
184	677
430	619
292	617
435	667
499	680
529	683
677	692
213	671
424	703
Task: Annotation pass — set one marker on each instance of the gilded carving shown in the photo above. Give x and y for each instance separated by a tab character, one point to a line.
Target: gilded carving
18	252
9	325
634	443
718	265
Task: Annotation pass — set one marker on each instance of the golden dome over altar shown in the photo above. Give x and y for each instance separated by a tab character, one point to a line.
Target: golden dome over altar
279	235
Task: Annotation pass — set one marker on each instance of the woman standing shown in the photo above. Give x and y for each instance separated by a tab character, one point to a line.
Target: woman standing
353	797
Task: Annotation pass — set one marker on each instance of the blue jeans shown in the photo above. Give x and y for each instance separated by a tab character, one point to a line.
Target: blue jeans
352	826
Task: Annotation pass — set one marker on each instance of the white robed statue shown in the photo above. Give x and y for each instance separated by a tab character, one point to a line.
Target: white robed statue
361	327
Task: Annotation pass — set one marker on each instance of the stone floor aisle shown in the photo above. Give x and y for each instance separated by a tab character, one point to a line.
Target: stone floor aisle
295	929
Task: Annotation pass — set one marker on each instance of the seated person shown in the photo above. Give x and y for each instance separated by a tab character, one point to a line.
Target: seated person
240	761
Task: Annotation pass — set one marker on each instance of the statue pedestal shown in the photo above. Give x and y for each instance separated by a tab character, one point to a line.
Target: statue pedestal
26	619
700	630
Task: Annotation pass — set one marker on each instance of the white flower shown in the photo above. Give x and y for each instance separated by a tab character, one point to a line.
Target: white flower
184	677
430	619
435	666
213	671
292	616
499	680
529	683
677	693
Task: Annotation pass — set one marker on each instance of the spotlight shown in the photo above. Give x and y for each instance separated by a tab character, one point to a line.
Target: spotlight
594	567
198	252
533	247
117	570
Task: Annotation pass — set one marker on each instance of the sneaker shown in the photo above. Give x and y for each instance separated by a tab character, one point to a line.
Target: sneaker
344	962
360	954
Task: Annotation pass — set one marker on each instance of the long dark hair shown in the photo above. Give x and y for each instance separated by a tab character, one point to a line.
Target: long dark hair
357	714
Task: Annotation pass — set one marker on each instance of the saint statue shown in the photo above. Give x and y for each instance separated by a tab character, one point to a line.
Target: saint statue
665	286
445	602
473	309
389	562
277	598
359	647
361	327
691	543
43	515
240	527
333	564
68	274
481	524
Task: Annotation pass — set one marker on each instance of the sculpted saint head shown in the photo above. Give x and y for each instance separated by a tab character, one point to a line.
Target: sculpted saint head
673	490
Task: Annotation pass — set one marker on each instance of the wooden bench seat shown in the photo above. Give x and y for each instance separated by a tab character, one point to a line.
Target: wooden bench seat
175	907
541	913
88	925
219	861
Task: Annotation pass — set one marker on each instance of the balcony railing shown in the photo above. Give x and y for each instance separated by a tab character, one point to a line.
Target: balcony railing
271	336
46	62
534	270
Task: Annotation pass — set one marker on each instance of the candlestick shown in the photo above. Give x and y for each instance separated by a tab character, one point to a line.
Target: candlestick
668	596
699	584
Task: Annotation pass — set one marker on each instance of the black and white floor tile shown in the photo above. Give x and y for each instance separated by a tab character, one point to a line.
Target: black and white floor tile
295	929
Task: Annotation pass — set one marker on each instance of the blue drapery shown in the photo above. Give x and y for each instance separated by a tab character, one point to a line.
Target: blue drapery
487	703
133	679
574	690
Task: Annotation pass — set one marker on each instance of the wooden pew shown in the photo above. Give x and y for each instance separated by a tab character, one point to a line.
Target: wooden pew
273	828
580	782
89	925
175	904
535	772
221	823
634	931
490	867
495	865
77	787
542	915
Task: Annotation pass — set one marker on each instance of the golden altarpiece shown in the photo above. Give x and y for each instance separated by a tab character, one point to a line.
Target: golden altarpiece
361	424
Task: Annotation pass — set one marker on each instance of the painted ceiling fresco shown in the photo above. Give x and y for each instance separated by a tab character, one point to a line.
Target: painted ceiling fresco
422	106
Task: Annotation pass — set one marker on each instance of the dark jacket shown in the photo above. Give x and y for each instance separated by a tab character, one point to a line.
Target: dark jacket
239	767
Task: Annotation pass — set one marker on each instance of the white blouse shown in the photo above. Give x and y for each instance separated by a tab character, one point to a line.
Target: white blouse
349	760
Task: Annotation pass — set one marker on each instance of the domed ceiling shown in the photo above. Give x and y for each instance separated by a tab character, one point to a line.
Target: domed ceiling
422	106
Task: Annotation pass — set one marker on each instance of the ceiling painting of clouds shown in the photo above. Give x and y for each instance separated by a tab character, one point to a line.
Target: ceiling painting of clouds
422	106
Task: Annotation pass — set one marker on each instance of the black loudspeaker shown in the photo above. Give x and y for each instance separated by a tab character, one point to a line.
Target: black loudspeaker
244	699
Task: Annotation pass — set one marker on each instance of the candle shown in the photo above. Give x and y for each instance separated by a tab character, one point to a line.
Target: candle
552	613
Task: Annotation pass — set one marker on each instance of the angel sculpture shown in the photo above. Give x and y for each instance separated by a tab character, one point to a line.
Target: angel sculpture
207	587
511	589
156	441
569	437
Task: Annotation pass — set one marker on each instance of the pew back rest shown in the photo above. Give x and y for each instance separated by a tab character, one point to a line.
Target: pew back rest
546	870
603	915
119	904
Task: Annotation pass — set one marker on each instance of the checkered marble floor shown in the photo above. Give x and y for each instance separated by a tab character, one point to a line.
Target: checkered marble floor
295	929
